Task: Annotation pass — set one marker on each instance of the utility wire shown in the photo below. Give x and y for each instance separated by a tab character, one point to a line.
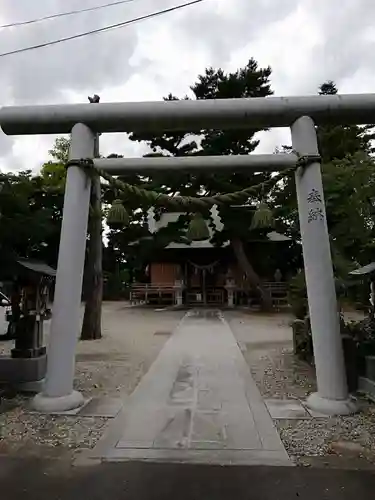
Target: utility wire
100	30
62	14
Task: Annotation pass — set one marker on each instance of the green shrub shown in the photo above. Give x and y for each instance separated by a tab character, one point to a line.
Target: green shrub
363	332
297	296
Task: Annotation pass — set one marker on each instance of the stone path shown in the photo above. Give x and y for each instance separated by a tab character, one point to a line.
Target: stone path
198	403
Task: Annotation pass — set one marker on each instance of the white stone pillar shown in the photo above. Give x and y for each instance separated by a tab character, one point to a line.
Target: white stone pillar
332	396
58	393
179	287
230	293
179	297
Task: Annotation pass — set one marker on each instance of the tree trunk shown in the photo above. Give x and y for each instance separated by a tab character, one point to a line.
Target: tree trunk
251	276
92	320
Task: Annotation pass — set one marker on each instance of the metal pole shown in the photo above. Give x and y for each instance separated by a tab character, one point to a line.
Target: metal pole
58	393
332	396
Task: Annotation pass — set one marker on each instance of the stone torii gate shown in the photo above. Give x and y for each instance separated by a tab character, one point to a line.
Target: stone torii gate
84	121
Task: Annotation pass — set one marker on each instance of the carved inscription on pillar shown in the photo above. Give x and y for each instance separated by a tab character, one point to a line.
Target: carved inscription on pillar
315	212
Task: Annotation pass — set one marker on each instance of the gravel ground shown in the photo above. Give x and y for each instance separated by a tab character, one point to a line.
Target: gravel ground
111	366
267	346
132	338
349	437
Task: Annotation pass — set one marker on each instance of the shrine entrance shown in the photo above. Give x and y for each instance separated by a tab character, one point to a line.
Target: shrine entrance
85	122
204	284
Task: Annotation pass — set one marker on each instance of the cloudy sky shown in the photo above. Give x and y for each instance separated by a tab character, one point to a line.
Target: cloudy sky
306	42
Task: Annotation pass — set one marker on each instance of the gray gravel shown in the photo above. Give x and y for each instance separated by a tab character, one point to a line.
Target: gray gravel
111	366
267	347
25	433
321	437
114	365
279	374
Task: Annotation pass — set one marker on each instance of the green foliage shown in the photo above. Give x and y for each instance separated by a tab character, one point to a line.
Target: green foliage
28	216
249	81
339	141
302	340
60	150
350	195
363	332
31	211
349	190
54	175
297	296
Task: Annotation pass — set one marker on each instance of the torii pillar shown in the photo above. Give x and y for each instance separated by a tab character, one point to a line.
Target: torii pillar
58	393
332	396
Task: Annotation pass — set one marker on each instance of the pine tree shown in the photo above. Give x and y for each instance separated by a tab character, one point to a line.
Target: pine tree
249	81
338	141
349	191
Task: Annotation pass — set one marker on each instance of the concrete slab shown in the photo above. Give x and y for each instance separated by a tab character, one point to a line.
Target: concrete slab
286	409
316	414
198	403
102	407
195	456
367	386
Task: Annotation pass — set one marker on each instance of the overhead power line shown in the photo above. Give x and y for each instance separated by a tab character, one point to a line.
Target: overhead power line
100	30
63	14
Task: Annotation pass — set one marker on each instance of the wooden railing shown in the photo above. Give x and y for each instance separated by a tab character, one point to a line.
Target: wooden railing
279	293
213	296
165	293
277	290
150	293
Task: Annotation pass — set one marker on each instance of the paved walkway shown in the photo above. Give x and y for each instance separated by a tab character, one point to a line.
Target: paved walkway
198	403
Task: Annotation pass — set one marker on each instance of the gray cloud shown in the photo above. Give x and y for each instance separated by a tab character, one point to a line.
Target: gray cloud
103	60
94	61
82	65
216	28
343	48
234	23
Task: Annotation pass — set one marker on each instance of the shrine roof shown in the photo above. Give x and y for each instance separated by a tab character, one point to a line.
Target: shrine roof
155	224
37	267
